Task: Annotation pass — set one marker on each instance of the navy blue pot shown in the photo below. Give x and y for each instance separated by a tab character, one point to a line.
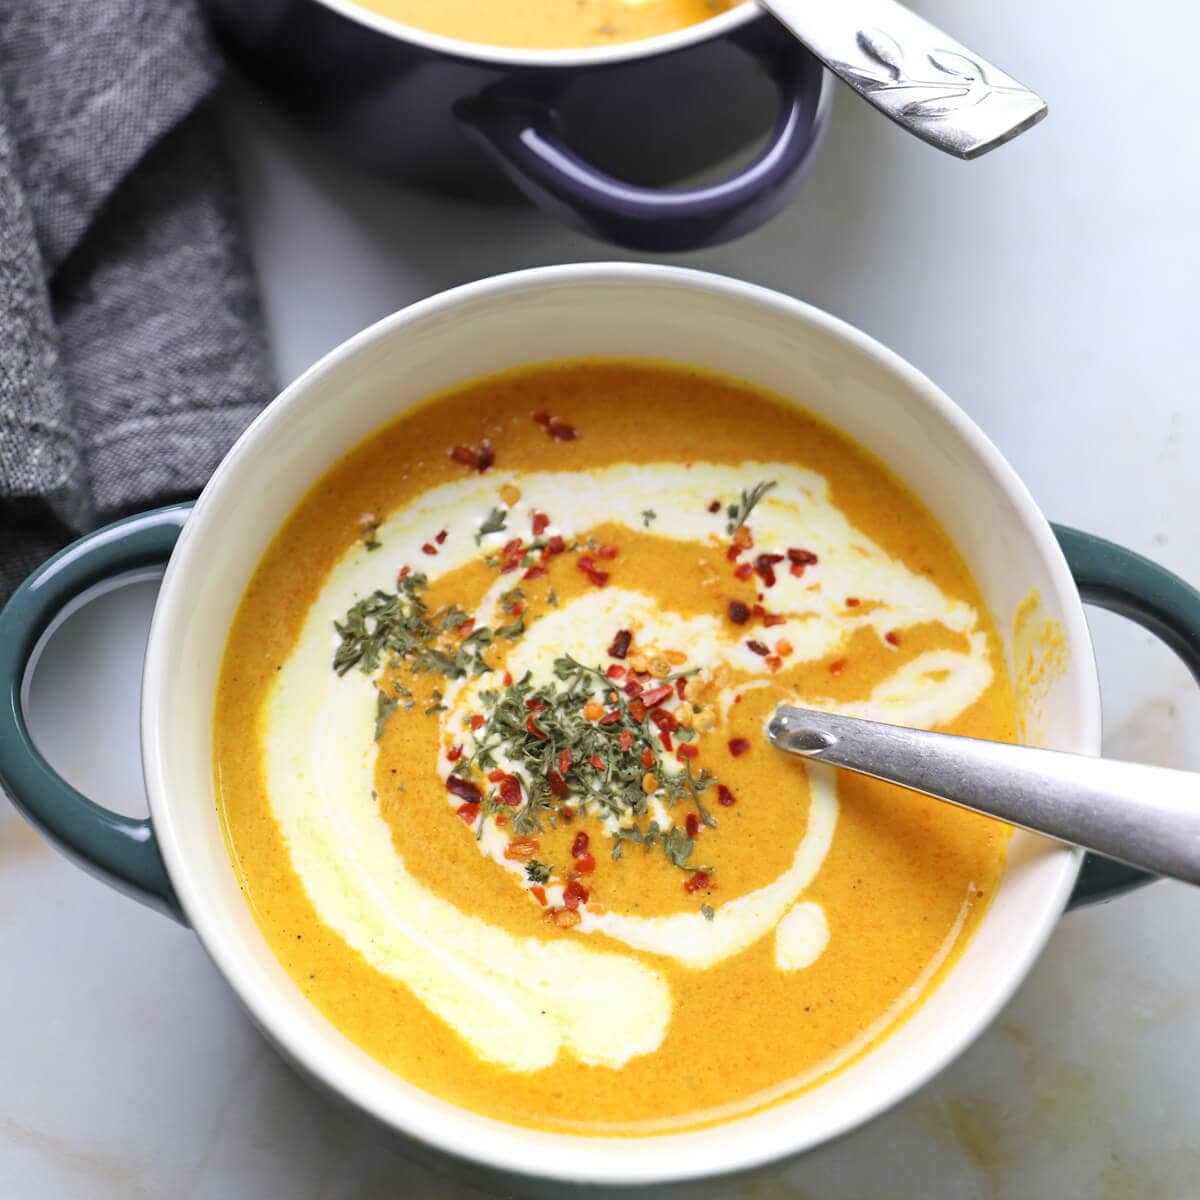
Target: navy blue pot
595	137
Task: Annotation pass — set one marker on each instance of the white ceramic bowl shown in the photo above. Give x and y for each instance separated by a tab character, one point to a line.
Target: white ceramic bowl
619	310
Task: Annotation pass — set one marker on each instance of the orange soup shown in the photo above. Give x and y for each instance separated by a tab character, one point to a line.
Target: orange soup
549	24
491	755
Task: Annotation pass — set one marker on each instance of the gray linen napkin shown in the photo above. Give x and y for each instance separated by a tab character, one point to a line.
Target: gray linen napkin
131	344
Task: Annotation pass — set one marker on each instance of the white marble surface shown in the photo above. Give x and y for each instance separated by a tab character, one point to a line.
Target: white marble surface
1051	289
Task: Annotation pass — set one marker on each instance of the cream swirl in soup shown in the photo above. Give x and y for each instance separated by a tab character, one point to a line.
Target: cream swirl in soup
321	749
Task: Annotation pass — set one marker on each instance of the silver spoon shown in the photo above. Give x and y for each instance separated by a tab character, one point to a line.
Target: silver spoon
1148	817
907	68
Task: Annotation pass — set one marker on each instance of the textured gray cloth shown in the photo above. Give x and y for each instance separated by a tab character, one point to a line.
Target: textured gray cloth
131	347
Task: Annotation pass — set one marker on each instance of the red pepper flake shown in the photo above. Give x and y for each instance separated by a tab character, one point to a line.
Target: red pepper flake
466	456
655	696
542	417
697	883
647	758
511	555
466	628
428	548
732	555
892	638
738	746
487	456
477	721
540	521
467	812
521	848
574	894
687	750
454	754
531	725
715	506
495	775
539	894
802	558
441	537
560	431
558	785
607	551
757	647
837	666
621	643
597	762
764	564
556	544
610	718
626	739
637	709
585	864
633	688
464	789
664	720
508	679
535	705
665	738
615	671
535	572
774	662
587	565
737	612
692	825
501	822
797	570
510	791
404	572
725	798
579	845
564	759
743	571
770	619
852	601
568	814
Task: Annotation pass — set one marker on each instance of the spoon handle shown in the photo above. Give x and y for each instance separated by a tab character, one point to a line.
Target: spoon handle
911	71
1148	817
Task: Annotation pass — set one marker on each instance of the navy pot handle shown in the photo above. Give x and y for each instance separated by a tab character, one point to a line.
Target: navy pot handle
120	850
1111	577
518	129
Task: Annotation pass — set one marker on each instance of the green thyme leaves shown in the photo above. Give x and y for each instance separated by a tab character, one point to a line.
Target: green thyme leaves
537	872
739	513
494	522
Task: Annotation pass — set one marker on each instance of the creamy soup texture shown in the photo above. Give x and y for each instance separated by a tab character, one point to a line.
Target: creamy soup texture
549	24
491	755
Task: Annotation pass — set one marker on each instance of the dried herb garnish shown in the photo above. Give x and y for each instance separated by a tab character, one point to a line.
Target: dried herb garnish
739	513
494	522
385	705
530	729
395	627
369	531
706	912
537	872
648	515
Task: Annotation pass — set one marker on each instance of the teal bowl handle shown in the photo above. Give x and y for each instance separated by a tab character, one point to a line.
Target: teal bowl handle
1111	577
119	850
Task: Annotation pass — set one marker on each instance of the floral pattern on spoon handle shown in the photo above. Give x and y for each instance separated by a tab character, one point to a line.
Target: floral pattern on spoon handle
914	73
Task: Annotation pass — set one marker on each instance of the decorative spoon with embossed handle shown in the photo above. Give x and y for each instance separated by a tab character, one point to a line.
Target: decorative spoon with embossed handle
912	72
1148	817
